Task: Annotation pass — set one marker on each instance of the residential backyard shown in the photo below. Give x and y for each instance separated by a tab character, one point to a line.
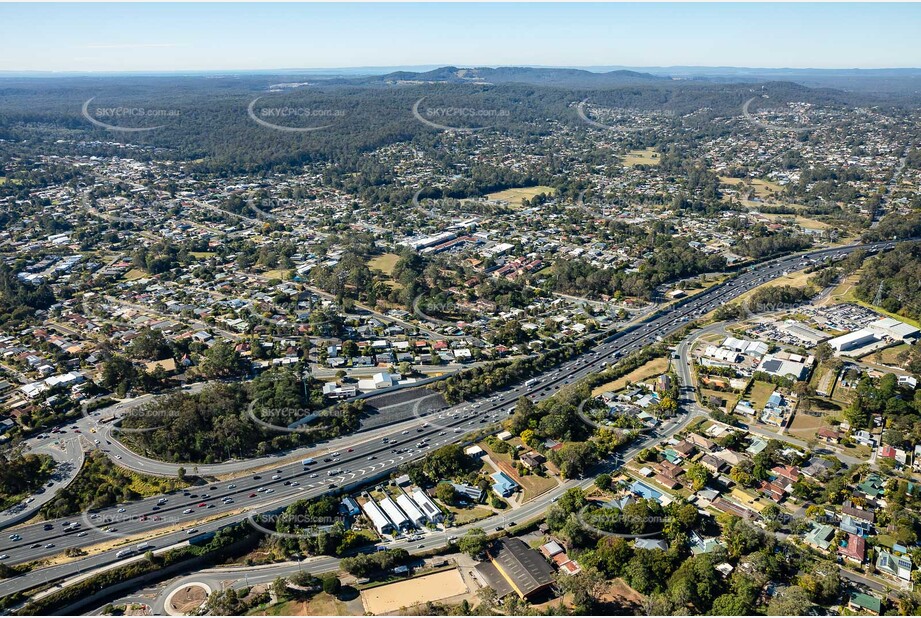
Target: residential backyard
532	485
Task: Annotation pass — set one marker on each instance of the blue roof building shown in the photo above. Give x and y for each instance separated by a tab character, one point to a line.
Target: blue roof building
645	491
349	506
503	484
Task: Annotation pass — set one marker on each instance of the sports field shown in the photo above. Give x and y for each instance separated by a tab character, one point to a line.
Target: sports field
434	587
514	196
647	156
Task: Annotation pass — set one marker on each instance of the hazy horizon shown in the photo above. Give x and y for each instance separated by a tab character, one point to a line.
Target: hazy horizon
174	38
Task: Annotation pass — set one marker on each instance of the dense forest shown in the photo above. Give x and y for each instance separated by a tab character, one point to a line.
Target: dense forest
19	300
207	121
22	474
668	259
101	483
215	425
896	277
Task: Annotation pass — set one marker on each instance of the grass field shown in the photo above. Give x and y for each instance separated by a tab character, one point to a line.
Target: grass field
384	263
759	393
321	604
202	255
809	224
764	189
889	356
470	514
514	196
653	368
647	156
804	426
278	273
134	274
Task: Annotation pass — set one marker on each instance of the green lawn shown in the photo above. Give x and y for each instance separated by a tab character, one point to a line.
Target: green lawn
759	393
469	514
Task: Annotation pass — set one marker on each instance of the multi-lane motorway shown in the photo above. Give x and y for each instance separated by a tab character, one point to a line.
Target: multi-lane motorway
206	508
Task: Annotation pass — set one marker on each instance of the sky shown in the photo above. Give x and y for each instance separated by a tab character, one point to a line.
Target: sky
219	37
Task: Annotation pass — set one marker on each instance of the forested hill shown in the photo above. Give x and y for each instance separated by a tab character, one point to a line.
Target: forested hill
209	119
559	78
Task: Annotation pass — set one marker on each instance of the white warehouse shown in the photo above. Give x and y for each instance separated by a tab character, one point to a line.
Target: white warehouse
427	506
377	517
416	516
851	341
394	513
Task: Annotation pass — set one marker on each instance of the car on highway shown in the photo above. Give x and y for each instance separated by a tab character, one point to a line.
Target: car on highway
252	495
231	486
187	511
191	531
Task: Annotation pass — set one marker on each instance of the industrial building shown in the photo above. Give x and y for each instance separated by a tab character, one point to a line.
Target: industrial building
854	340
378	518
412	511
894	329
394	514
776	366
524	570
428	508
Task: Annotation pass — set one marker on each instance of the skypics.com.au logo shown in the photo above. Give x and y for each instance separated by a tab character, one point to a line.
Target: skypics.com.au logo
451	117
120	118
283	118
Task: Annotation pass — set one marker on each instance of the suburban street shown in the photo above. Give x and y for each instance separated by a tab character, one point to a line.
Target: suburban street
366	460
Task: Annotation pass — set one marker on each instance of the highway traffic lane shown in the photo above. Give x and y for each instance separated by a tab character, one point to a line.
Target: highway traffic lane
289	472
631	336
524	514
247	576
700	301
